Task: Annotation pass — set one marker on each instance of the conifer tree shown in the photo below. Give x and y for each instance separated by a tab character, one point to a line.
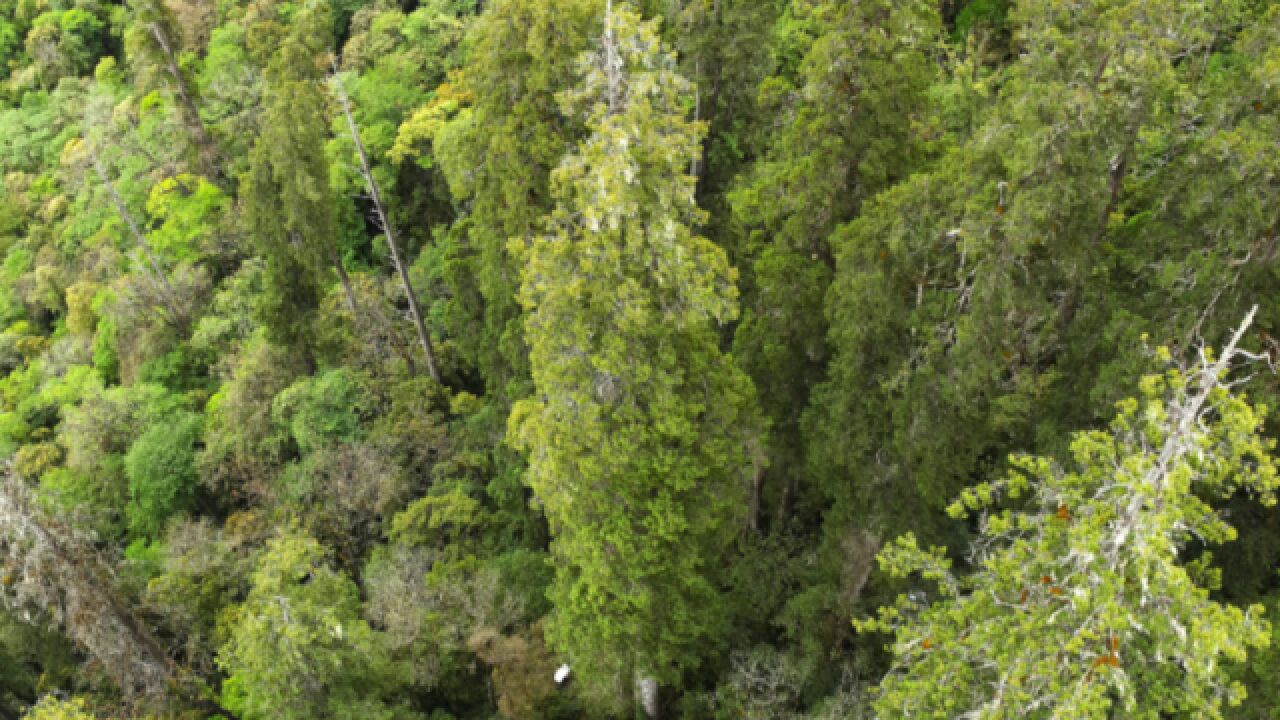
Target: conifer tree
289	204
1087	601
636	434
725	50
848	127
498	155
974	303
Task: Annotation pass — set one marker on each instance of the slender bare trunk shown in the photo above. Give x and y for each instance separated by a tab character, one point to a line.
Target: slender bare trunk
169	296
424	338
210	160
647	690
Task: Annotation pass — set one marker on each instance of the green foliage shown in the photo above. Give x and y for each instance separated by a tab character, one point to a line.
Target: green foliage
938	307
1261	702
847	127
10	42
97	434
65	42
321	410
437	521
187	210
36	658
402	63
289	205
637	412
432	608
106	360
161	469
143	560
243	446
498	155
991	15
1082	602
203	570
924	235
51	708
298	648
227	83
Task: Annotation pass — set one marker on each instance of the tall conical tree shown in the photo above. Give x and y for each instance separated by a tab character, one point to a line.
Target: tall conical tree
498	155
289	204
637	432
974	304
849	127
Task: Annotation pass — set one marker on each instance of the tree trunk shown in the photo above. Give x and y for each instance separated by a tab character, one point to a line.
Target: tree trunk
784	501
647	693
210	158
169	295
424	338
345	279
75	587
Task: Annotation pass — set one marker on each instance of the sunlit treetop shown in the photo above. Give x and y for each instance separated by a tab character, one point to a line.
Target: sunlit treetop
1083	602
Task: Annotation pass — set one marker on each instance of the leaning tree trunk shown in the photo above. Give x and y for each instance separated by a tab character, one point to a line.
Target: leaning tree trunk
210	157
424	338
168	294
53	574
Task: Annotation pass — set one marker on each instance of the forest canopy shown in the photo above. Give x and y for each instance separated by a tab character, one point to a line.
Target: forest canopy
686	359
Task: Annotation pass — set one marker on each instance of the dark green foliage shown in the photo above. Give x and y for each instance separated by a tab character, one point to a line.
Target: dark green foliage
161	469
637	413
320	411
289	205
726	295
982	15
35	659
847	127
498	154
